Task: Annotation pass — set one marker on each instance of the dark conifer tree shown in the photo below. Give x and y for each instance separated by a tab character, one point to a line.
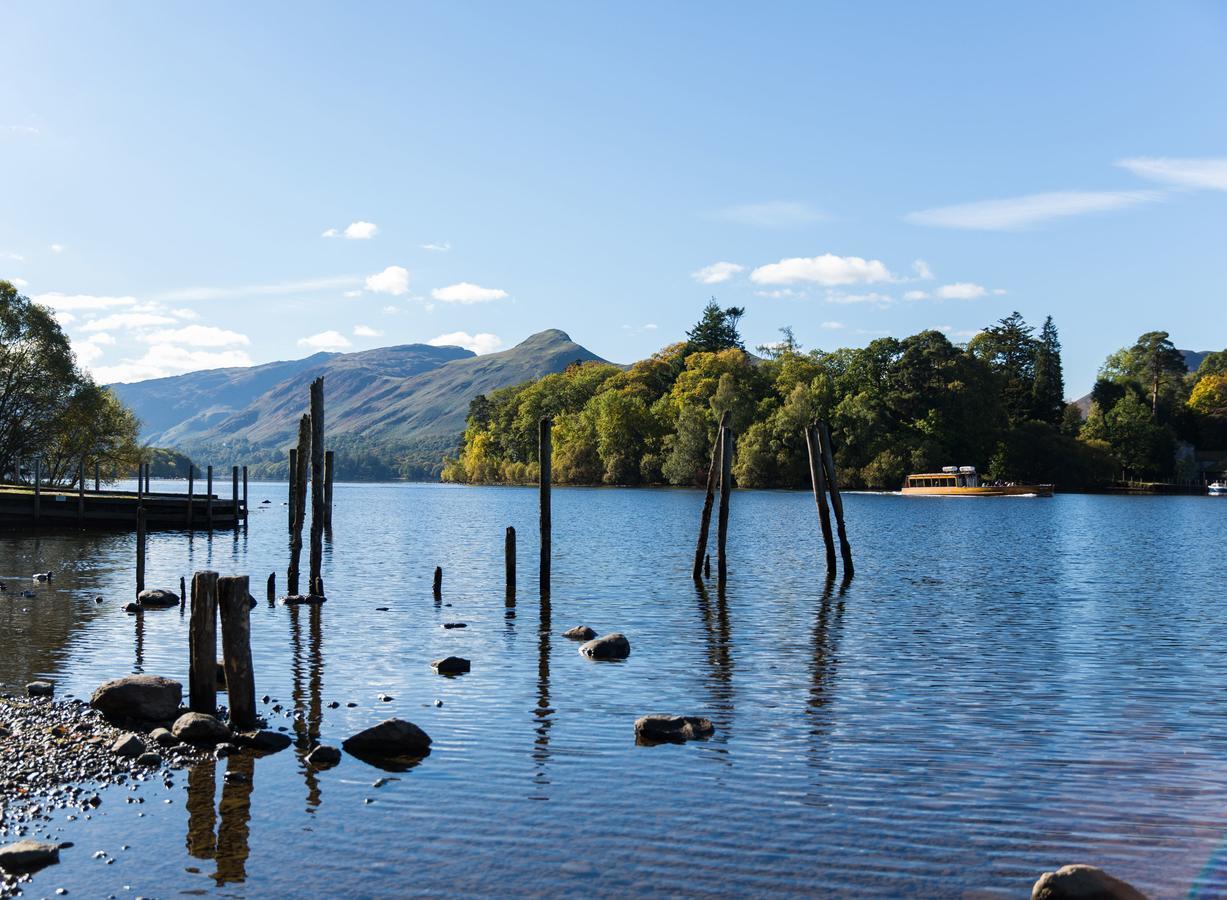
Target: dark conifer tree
1049	387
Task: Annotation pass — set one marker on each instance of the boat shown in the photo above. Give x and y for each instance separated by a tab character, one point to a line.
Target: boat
1217	489
964	481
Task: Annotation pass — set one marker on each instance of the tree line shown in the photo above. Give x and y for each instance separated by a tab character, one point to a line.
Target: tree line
895	406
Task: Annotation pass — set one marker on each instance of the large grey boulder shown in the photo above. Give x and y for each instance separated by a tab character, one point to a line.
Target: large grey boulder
607	646
1081	882
156	598
148	698
658	729
28	856
199	728
392	737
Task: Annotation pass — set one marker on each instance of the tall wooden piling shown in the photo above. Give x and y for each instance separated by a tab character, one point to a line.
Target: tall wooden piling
234	494
292	488
81	493
202	644
438	583
97	476
837	504
329	470
191	490
232	600
140	550
140	484
818	480
299	502
272	586
545	453
148	478
726	488
509	560
209	499
317	481
244	492
713	474
38	489
182	591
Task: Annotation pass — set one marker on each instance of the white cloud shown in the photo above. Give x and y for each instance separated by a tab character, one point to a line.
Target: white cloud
102	339
60	302
23	130
198	336
478	343
64	318
916	295
773	214
827	269
922	270
350	295
872	297
999	291
183	313
466	292
330	232
833	325
717	273
366	331
960	290
361	231
779	293
1210	174
86	352
19	283
56	248
393	280
1019	212
128	320
303	286
437	248
391	310
325	340
162	360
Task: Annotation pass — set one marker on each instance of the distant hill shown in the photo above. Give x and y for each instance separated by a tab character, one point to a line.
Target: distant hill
1192	359
394	410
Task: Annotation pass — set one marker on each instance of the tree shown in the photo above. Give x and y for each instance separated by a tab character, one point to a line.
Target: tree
1213	364
1010	351
1049	386
1155	359
1209	395
787	345
716	330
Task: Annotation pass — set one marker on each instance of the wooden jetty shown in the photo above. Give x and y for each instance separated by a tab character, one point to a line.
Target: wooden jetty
24	506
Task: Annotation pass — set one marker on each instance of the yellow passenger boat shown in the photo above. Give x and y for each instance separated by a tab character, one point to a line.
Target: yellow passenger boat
963	481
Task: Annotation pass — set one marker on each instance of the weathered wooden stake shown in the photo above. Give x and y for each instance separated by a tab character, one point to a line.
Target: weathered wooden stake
438	586
244	492
232	600
299	502
545	453
329	469
209	500
272	586
828	461
81	493
726	488
202	644
140	484
817	478
38	488
509	558
140	550
148	478
713	475
97	476
234	493
317	482
191	491
182	591
292	485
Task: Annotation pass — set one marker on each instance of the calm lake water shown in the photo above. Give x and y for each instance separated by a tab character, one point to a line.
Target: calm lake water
1007	685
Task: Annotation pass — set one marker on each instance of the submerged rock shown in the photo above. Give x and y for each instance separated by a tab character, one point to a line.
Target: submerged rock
659	729
263	741
150	698
156	598
1080	882
451	665
28	856
579	633
609	646
40	689
199	728
323	756
392	737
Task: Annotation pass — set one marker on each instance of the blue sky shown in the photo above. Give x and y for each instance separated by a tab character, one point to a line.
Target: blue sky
169	173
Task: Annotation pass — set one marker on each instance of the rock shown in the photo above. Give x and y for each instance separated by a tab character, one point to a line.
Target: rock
132	608
1083	883
392	737
451	665
609	646
323	756
148	698
163	737
150	759
40	689
156	598
28	856
579	633
658	729
129	745
263	741
199	728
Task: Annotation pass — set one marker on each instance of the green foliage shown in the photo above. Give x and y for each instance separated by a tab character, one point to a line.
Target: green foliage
716	330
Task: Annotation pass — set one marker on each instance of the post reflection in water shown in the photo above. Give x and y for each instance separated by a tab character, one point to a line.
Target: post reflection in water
825	642
308	674
138	663
543	711
718	634
230	846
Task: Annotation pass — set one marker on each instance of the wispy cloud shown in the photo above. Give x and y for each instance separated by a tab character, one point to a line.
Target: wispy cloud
828	270
393	280
128	320
872	297
480	343
921	270
1209	174
773	214
19	130
717	273
466	292
1013	213
62	302
161	360
437	248
302	286
366	331
960	290
354	231
56	248
197	336
325	340
834	325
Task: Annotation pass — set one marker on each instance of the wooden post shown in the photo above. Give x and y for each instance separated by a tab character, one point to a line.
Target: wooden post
202	644
140	484
816	466
191	490
713	470
707	565
234	493
329	470
293	475
828	462
182	591
509	558
545	452
148	478
317	481
140	550
438	586
81	493
97	476
272	586
244	492
299	502
38	488
209	499
726	488
232	600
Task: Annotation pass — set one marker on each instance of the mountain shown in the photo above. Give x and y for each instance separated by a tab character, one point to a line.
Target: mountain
381	406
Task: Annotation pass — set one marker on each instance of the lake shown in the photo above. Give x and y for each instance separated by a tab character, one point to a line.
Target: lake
1006	686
